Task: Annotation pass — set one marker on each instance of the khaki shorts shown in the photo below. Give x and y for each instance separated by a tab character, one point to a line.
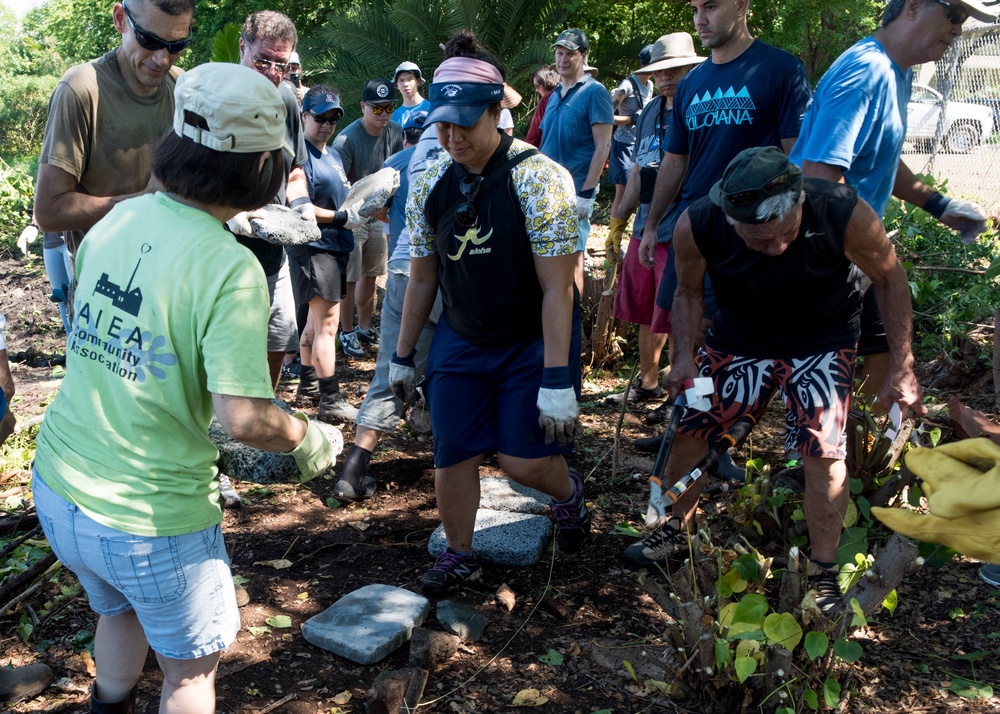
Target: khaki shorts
371	248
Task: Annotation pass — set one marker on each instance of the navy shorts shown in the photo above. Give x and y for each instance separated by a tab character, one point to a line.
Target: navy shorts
483	400
620	162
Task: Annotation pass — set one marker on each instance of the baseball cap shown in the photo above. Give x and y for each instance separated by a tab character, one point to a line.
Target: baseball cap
243	110
461	103
321	103
415	120
408	67
753	176
378	91
572	39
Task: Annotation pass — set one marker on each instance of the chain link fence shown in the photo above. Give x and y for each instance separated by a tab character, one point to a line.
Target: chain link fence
953	120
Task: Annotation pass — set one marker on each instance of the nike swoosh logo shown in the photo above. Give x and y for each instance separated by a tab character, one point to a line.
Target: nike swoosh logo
810	234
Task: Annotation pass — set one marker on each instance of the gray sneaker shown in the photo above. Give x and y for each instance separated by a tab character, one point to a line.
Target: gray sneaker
659	545
635	392
990	574
350	345
334	409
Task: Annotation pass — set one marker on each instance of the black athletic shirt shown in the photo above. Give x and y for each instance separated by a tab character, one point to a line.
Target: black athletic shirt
803	302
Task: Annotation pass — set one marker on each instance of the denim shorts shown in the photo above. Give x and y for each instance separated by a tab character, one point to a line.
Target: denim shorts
180	587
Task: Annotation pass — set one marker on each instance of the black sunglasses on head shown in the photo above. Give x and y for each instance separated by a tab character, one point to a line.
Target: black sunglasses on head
773	187
147	40
466	214
956	14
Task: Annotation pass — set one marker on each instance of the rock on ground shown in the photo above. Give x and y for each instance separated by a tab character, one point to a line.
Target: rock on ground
502	537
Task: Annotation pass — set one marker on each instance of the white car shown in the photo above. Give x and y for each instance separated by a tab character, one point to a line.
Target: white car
966	125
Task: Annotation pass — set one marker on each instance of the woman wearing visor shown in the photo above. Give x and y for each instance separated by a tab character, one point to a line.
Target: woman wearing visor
319	270
493	225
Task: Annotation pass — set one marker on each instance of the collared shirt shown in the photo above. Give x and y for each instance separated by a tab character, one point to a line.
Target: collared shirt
567	136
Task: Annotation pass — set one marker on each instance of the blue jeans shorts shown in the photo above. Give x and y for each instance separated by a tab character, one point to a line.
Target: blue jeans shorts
180	587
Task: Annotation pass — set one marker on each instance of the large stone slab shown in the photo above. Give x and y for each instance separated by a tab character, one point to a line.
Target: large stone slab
499	493
503	537
367	625
245	463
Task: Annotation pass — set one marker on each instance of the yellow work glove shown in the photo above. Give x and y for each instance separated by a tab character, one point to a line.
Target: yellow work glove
962	483
315	454
613	245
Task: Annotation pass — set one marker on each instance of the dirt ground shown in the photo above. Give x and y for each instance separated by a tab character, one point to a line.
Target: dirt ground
589	608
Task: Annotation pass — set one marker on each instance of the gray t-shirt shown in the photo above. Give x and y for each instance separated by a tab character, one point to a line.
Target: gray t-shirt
364	154
631	104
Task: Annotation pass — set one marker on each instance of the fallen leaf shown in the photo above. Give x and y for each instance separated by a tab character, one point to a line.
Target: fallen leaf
303	596
279	564
258	631
342	698
82	663
574	649
281	622
360	525
506	597
529	698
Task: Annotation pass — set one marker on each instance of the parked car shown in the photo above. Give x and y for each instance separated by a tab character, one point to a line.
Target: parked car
994	104
966	125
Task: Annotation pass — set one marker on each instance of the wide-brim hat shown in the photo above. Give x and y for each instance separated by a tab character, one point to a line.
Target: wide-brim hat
321	103
511	97
979	10
753	176
669	51
461	103
242	108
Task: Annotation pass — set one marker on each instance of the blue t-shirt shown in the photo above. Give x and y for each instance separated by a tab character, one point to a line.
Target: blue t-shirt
567	136
858	120
402	113
328	187
757	99
397	204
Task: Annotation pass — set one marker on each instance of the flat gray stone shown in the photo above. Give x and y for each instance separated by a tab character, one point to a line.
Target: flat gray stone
499	493
502	537
462	620
367	625
245	463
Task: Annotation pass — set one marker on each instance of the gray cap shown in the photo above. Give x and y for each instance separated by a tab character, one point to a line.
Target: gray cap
408	67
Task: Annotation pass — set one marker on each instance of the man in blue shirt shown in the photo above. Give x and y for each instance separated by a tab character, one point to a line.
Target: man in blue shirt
577	126
855	129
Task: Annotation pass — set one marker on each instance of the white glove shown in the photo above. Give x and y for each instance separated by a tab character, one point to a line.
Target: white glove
27	237
584	206
240	224
306	211
557	413
965	217
354	219
403	380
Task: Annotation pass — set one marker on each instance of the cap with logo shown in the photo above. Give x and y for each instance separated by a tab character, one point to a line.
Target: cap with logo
408	67
415	120
673	50
572	39
461	103
321	103
753	176
242	108
378	91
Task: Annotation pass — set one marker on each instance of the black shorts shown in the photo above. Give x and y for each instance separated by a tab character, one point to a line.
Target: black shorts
317	273
873	340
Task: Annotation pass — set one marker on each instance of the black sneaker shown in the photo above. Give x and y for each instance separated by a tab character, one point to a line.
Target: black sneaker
660	415
451	570
823	581
367	337
659	545
354	483
635	392
572	518
648	444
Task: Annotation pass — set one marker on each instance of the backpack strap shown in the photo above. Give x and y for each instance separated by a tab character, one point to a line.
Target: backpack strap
501	171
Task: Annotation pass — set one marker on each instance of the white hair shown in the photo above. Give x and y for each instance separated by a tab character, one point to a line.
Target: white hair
774	208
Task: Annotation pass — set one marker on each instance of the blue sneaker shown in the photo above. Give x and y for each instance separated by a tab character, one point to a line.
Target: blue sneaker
572	518
451	570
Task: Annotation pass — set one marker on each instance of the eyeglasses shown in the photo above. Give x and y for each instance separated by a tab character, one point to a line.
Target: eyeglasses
319	119
773	187
956	14
377	111
149	41
466	214
262	64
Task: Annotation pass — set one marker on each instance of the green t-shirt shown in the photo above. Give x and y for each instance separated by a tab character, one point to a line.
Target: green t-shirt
169	309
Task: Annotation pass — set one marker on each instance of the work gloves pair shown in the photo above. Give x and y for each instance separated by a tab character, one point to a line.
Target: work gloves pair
557	404
961	481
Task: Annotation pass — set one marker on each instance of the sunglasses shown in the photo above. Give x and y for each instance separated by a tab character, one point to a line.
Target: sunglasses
149	41
378	111
466	215
773	187
262	64
956	14
320	119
